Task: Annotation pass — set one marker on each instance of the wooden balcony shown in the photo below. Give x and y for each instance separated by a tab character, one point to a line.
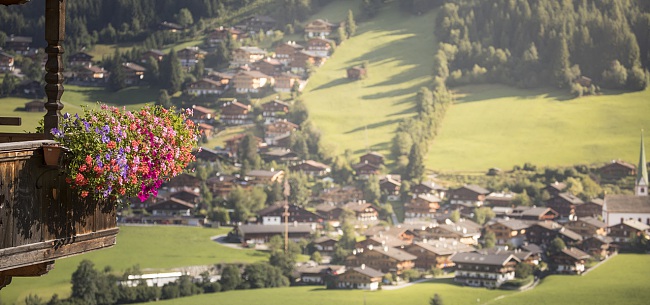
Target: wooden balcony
41	218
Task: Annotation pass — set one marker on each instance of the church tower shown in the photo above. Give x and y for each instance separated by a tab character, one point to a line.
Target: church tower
641	182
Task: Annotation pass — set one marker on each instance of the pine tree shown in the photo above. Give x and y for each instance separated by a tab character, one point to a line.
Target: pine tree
350	25
117	79
172	74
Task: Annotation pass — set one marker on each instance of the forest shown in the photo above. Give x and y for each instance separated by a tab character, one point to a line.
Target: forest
533	43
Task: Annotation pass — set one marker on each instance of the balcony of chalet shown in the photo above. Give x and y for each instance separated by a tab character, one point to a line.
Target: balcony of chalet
41	218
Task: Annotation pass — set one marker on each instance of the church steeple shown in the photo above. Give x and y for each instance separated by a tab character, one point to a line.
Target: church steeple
641	182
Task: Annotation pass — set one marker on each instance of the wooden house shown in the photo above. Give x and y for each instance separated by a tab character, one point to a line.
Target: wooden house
390	185
246	55
468	195
484	270
565	204
91	75
555	188
543	232
236	113
312	168
285	82
593	208
428	187
273	110
18	44
260	234
533	213
80	59
157	55
362	277
171	207
570	261
275	215
266	177
206	86
509	231
251	81
341	195
325	245
623	232
319	28
587	226
232	144
321	46
268	66
303	59
363	211
356	72
133	73
384	259
6	62
35	106
190	56
599	246
221	185
217	35
422	206
184	181
276	129
312	274
364	170
260	22
202	114
372	157
285	51
498	199
616	170
279	156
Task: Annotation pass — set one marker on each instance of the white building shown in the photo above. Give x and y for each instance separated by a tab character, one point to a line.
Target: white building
618	208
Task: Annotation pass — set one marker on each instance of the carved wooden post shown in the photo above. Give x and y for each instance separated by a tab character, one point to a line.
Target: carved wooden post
54	35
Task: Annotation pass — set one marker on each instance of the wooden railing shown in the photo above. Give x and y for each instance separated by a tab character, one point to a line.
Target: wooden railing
41	217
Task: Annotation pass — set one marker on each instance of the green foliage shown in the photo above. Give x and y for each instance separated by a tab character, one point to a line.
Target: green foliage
370	188
230	278
316	257
436	300
184	17
171	72
454	216
299	189
246	202
523	270
350	25
263	275
504	39
489	240
411	275
556	246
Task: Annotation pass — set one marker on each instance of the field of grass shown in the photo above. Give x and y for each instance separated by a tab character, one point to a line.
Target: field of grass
499	126
155	248
622	280
363	114
72	99
416	294
100	51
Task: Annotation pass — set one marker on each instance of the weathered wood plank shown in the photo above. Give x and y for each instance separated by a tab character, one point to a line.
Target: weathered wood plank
6	206
10	121
54	249
31	270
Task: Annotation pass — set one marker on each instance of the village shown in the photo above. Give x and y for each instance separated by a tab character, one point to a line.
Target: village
361	225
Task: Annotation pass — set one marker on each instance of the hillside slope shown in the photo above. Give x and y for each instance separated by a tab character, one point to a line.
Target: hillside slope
363	114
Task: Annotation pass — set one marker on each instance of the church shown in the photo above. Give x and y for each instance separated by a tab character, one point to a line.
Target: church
618	208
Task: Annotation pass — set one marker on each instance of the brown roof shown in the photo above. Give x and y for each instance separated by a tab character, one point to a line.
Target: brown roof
570	198
134	67
627	204
394	253
483	259
369	272
575	253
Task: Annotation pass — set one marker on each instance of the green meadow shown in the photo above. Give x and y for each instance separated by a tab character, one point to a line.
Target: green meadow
358	115
152	248
73	98
499	126
622	280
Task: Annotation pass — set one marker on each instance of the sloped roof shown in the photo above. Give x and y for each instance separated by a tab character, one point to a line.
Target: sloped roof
570	234
560	186
627	204
515	224
429	198
575	253
369	272
251	229
177	204
593	222
475	188
570	198
393	253
484	259
636	225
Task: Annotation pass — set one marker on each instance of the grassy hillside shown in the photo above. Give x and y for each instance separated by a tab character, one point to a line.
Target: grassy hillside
72	99
356	115
154	248
622	280
498	126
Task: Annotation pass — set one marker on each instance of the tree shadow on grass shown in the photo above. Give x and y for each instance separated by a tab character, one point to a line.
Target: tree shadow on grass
483	92
333	83
374	125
